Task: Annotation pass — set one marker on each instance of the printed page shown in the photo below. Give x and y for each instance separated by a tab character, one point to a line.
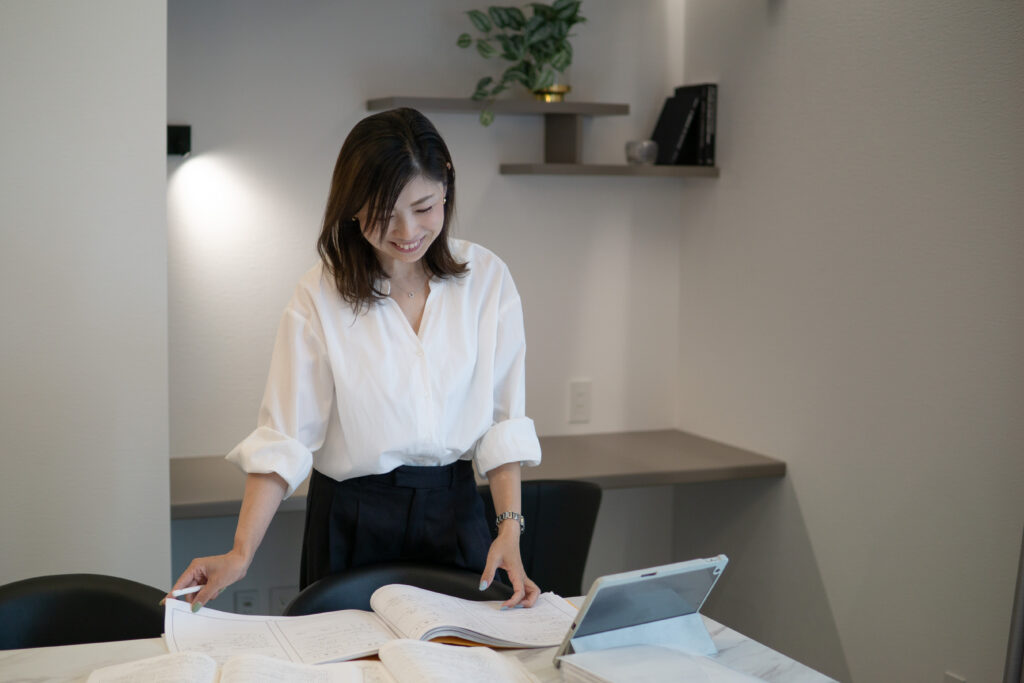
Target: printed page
334	636
221	635
311	639
421	614
259	669
414	661
180	666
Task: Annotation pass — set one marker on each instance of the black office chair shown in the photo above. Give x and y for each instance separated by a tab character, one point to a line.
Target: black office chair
560	517
1014	670
352	589
68	609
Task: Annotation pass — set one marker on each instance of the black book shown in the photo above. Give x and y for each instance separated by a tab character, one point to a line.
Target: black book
702	151
674	127
710	106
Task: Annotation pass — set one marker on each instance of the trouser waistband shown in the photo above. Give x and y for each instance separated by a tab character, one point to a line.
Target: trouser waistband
421	477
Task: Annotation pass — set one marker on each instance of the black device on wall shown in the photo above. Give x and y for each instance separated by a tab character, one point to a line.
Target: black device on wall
179	140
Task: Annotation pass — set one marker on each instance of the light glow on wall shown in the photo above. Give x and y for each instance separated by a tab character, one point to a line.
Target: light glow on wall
211	199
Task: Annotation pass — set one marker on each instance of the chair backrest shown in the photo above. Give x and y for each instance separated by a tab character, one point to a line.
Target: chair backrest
68	609
352	589
560	517
1014	670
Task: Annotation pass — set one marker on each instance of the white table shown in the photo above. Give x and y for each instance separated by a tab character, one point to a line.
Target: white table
75	662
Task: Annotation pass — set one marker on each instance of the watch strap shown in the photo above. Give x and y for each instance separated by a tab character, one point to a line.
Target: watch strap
511	515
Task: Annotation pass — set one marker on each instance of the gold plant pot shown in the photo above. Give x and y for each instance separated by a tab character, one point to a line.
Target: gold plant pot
556	93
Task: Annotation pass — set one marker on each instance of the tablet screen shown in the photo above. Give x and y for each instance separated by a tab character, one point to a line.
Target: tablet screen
649	599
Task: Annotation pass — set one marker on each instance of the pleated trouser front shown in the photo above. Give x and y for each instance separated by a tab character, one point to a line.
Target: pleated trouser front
424	514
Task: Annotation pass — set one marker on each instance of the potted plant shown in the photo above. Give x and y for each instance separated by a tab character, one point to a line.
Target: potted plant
537	46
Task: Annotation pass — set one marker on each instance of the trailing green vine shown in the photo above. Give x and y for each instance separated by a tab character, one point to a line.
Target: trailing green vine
538	47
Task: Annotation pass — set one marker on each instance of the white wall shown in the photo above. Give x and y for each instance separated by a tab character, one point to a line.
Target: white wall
83	298
846	297
852	301
271	90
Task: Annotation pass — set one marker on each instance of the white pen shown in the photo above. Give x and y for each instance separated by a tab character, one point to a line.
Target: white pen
186	591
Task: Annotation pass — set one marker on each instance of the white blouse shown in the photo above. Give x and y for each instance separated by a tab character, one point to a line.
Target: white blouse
363	394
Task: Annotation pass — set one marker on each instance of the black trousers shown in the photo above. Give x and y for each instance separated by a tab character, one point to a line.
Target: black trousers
426	514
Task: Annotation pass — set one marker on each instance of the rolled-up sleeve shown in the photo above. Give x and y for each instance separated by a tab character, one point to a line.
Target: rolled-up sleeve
296	405
512	437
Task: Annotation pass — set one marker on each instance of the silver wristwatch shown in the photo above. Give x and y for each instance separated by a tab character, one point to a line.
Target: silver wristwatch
511	515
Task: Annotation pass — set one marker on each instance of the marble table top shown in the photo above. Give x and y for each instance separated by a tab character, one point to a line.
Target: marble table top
75	662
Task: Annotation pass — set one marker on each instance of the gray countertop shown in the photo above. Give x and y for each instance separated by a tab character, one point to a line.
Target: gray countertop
210	486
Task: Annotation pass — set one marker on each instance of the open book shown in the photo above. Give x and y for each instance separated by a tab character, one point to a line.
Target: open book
398	612
401	661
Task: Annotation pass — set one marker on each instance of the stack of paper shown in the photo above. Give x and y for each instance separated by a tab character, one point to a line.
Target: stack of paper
401	661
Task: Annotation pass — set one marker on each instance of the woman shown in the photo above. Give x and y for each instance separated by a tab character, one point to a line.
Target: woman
398	361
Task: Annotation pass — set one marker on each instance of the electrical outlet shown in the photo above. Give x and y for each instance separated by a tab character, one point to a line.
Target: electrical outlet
246	601
951	677
579	400
280	597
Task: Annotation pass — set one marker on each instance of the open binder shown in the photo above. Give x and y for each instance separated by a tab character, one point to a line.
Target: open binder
656	606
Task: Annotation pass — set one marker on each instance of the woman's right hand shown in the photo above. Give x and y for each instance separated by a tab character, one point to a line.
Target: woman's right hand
217	572
263	494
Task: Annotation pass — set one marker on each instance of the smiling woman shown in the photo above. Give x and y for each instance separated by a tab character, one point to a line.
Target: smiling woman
413	224
399	364
402	239
392	195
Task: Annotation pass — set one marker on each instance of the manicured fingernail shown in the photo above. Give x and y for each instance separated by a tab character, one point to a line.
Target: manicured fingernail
163	602
483	585
503	608
195	606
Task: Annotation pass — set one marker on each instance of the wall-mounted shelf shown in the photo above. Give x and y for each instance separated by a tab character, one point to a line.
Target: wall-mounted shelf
610	169
563	134
464	104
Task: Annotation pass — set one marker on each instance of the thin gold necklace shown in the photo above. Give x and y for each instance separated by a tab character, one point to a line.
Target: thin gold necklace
409	293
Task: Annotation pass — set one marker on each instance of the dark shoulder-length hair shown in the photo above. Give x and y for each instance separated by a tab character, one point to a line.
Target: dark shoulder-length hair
381	154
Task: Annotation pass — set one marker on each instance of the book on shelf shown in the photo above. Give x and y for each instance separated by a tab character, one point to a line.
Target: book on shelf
399	612
700	151
711	113
401	661
673	131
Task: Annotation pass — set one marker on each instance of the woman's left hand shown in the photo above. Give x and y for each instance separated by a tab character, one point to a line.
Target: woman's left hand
504	554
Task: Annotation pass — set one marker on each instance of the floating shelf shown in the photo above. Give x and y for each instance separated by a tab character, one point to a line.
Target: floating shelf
610	169
563	134
464	104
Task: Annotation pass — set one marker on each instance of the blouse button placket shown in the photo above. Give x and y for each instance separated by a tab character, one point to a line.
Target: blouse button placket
427	414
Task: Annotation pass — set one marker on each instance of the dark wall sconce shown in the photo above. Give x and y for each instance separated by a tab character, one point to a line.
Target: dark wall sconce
179	140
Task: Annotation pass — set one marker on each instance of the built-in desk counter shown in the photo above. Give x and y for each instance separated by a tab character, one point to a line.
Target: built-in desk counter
212	487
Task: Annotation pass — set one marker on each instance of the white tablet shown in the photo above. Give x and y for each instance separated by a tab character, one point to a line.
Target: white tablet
632	599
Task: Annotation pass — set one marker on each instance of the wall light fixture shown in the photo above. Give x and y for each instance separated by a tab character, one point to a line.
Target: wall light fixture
179	140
